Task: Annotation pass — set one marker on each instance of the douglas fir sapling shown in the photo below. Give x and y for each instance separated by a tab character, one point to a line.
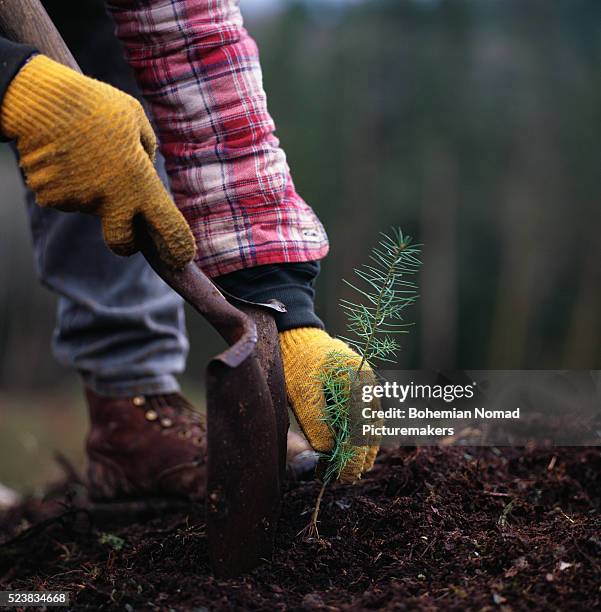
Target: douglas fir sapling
384	290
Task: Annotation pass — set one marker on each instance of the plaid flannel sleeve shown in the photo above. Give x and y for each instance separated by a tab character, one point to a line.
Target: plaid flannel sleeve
199	71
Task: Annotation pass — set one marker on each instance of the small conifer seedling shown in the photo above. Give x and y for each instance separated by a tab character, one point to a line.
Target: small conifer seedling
375	318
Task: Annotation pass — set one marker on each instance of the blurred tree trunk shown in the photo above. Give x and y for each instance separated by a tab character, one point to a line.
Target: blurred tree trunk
516	290
583	337
438	276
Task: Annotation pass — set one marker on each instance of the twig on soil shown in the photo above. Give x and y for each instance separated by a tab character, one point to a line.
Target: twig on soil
566	516
502	522
43	525
496	494
430	543
73	571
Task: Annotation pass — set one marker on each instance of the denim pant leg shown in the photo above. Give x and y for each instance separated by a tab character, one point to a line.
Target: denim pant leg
118	324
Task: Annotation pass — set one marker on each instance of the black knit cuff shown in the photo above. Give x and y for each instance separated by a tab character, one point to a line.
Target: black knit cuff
12	58
290	283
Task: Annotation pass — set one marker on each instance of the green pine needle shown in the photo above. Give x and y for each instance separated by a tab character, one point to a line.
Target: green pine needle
384	289
335	378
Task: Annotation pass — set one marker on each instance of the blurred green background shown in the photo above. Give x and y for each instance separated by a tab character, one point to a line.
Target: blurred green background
474	125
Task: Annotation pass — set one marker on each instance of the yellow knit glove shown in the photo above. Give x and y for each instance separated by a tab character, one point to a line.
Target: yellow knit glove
305	353
86	146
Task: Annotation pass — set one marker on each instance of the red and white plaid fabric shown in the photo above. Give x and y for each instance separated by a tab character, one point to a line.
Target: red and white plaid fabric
199	70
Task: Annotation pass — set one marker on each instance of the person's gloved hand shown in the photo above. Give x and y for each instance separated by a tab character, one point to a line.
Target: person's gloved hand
305	353
86	146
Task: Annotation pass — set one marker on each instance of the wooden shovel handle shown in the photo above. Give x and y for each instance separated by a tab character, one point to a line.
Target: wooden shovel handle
26	21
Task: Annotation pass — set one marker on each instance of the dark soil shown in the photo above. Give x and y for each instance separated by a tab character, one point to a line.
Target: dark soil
426	529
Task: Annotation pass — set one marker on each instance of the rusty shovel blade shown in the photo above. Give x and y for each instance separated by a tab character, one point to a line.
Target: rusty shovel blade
247	421
248	426
243	492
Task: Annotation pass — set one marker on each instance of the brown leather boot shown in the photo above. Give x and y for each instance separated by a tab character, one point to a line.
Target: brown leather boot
145	446
155	446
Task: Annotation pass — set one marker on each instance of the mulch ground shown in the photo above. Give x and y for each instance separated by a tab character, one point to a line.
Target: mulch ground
429	529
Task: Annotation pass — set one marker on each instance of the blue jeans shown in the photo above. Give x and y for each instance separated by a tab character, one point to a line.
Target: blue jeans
118	323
